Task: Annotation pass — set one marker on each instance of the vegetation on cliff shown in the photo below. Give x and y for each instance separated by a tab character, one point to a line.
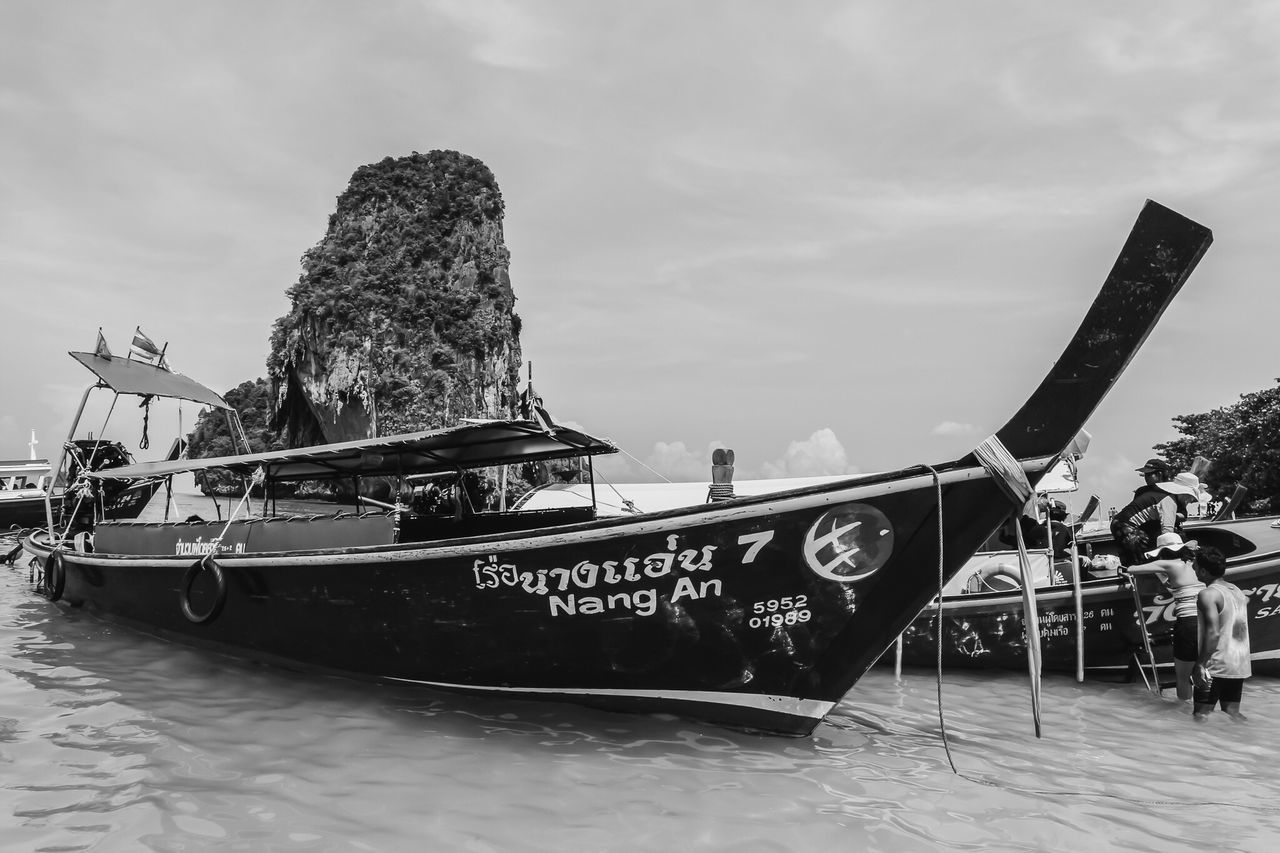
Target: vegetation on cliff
401	320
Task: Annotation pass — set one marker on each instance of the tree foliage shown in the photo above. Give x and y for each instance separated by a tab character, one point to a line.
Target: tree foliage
212	434
1243	443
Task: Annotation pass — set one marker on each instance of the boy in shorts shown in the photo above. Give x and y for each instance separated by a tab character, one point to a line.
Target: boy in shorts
1223	662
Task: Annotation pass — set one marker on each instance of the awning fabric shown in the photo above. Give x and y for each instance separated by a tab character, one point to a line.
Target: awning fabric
126	376
471	445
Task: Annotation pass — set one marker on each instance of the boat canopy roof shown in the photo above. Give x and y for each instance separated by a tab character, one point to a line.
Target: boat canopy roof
126	376
471	445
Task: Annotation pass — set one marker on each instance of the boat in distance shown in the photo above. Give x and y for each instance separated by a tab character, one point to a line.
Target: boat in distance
24	482
983	629
759	611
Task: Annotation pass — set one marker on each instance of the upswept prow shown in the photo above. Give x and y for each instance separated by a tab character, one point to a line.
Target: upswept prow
1160	254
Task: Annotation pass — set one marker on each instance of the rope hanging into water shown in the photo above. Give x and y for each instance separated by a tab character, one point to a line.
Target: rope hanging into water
942	723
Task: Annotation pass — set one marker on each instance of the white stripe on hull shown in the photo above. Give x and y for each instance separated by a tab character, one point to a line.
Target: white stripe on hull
813	709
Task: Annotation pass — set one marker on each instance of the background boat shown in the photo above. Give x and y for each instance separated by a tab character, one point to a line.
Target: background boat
983	630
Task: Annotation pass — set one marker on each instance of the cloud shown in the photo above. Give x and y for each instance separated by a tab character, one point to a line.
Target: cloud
506	35
820	454
953	428
680	464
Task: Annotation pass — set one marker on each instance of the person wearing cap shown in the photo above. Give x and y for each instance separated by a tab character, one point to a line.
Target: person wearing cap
1153	512
1153	471
1223	662
1175	561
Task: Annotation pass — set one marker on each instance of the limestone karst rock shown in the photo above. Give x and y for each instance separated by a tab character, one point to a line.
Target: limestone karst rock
403	318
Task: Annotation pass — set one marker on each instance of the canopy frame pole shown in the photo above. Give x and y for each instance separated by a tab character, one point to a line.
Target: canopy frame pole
244	439
62	457
88	463
591	474
1078	598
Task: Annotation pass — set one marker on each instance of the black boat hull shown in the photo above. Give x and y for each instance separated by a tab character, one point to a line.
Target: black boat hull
728	613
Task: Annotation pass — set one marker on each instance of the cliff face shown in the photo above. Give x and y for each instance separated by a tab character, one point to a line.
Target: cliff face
403	318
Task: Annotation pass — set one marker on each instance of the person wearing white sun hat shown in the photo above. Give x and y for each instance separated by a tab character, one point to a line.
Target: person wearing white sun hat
1175	562
1152	513
1186	490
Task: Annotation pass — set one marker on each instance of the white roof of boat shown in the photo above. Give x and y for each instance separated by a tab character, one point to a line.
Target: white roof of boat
629	498
471	445
16	466
126	376
611	499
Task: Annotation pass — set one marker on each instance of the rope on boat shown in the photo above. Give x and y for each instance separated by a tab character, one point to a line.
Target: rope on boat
626	502
1005	470
942	723
256	480
623	450
145	442
719	492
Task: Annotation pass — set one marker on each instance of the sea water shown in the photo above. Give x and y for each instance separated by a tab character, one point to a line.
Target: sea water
112	740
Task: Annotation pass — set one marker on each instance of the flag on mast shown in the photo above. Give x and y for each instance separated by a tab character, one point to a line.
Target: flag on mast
143	347
532	409
101	350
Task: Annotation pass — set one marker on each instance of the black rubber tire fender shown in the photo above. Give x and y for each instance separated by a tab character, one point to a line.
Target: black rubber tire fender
206	564
55	575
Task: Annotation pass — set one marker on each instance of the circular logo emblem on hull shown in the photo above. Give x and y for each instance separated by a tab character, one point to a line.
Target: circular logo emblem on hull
848	543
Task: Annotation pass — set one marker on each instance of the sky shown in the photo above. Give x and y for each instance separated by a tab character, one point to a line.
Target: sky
835	237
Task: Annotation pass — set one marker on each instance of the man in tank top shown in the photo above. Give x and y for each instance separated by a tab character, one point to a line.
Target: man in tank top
1174	560
1223	663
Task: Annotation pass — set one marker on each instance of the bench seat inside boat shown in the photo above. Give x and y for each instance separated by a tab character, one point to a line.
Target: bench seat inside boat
315	532
252	535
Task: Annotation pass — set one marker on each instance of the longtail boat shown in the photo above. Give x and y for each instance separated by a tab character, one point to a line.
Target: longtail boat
982	626
759	611
24	484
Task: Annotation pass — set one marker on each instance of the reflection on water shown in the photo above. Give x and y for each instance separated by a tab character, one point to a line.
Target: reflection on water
112	740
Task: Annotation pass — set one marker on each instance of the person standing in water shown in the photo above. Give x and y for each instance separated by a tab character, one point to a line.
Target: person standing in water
1223	662
1175	560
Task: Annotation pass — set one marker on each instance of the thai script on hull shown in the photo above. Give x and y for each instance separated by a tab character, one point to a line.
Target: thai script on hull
201	547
